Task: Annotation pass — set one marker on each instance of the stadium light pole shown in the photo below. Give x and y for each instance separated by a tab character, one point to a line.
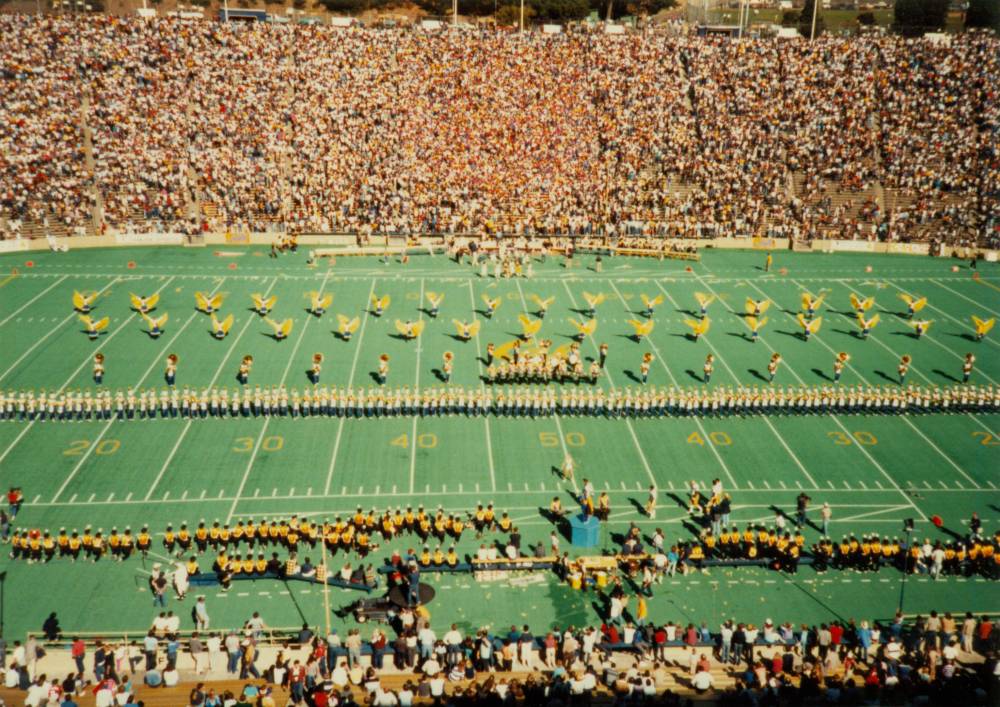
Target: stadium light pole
522	17
454	13
812	32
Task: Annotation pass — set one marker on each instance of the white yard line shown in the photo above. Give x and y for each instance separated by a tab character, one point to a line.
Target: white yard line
628	423
559	429
732	374
215	377
267	422
869	514
416	389
32	300
967	299
486	418
31	424
839	424
918	372
76	503
350	384
56	328
946	315
107	426
950	351
905	418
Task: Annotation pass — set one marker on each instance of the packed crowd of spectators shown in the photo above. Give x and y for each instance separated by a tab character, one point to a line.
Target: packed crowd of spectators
928	660
43	174
391	130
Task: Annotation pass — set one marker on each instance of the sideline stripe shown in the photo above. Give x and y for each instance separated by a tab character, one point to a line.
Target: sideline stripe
218	372
267	422
350	384
777	434
32	300
54	329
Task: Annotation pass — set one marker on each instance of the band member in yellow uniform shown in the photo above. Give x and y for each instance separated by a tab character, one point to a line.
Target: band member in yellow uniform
772	366
317	366
98	368
383	368
446	366
838	365
920	327
244	373
904	368
434	300
647	359
967	366
170	375
709	367
983	326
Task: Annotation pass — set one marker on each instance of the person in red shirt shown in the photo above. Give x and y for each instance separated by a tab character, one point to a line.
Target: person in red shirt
660	641
704	664
610	634
297	681
983	632
319	654
776	664
14	500
78	650
836	636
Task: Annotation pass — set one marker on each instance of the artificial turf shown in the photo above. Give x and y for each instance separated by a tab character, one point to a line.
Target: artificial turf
874	470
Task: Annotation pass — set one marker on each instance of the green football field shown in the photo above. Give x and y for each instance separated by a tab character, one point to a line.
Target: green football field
875	471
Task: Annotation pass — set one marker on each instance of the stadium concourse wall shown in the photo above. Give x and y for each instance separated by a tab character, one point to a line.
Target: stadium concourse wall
346	240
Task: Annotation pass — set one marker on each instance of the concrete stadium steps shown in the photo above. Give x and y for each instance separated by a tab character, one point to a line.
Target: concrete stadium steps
852	200
672	677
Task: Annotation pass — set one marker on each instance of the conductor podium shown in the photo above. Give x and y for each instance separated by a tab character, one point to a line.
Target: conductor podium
585	531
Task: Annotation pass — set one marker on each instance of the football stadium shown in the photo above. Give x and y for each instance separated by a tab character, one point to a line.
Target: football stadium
451	365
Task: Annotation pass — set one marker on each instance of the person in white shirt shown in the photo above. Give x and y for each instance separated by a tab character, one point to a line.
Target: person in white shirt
406	695
702	681
437	686
180	580
339	675
617	608
104	697
937	556
452	637
427	639
256	625
214	647
950	651
160	624
37	694
201	614
173	622
968	632
431	667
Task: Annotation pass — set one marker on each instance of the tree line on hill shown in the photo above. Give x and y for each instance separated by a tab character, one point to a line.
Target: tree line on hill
910	17
507	12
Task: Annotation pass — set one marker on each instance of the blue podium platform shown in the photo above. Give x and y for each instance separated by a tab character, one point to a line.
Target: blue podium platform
585	531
